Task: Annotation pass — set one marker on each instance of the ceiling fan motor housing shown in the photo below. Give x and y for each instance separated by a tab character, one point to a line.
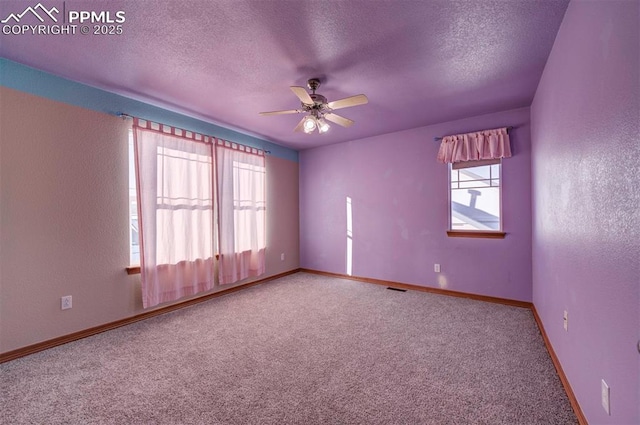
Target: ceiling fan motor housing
319	101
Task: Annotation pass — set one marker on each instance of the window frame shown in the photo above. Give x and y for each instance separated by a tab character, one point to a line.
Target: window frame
488	234
135	268
132	168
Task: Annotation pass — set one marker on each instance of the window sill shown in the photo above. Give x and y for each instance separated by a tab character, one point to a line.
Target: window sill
475	234
136	269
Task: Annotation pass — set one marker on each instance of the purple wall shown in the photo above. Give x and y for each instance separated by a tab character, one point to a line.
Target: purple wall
399	196
586	197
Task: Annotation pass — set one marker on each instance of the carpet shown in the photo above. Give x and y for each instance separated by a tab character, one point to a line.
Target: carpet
302	349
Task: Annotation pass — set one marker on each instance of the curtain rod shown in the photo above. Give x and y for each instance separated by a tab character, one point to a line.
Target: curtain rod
127	116
438	139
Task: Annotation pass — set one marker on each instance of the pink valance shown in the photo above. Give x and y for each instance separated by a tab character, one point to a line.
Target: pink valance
486	144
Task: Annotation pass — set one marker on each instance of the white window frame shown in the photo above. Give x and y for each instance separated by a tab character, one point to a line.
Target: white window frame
500	233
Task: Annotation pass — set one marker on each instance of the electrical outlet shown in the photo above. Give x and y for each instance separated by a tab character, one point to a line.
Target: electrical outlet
565	320
66	302
282	257
605	398
436	268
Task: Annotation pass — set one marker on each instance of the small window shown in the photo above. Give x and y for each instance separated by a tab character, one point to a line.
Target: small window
134	240
475	198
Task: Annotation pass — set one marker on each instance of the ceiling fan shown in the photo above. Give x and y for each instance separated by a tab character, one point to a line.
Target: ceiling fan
318	110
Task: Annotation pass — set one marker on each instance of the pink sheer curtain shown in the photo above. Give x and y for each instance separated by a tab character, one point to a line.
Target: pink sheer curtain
241	212
487	144
174	169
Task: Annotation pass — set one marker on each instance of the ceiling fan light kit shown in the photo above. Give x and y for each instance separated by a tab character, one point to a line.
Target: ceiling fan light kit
323	126
318	110
309	124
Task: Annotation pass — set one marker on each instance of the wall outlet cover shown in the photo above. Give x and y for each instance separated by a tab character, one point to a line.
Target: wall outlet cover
66	302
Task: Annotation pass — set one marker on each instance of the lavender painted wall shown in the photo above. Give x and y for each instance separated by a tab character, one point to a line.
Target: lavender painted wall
399	202
586	197
63	219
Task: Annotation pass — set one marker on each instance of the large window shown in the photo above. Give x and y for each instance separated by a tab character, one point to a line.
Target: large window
196	211
475	198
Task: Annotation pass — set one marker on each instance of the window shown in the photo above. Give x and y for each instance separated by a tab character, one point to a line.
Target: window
196	210
248	189
248	206
240	174
475	196
173	206
183	207
134	241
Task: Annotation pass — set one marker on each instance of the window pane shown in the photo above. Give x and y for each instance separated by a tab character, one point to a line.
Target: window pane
184	205
248	204
474	184
475	205
466	174
495	171
476	173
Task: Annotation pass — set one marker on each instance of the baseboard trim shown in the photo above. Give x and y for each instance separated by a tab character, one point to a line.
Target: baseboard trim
582	420
41	346
495	300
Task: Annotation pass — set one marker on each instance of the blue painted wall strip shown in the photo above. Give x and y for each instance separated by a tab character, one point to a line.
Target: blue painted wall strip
39	83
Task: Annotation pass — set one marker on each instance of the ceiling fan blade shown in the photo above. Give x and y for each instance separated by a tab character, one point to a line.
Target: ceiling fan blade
300	126
302	94
345	122
356	100
288	111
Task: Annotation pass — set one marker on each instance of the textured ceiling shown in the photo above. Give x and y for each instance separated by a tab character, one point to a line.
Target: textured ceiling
419	62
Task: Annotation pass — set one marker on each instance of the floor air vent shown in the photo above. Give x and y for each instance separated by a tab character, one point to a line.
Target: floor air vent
396	289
